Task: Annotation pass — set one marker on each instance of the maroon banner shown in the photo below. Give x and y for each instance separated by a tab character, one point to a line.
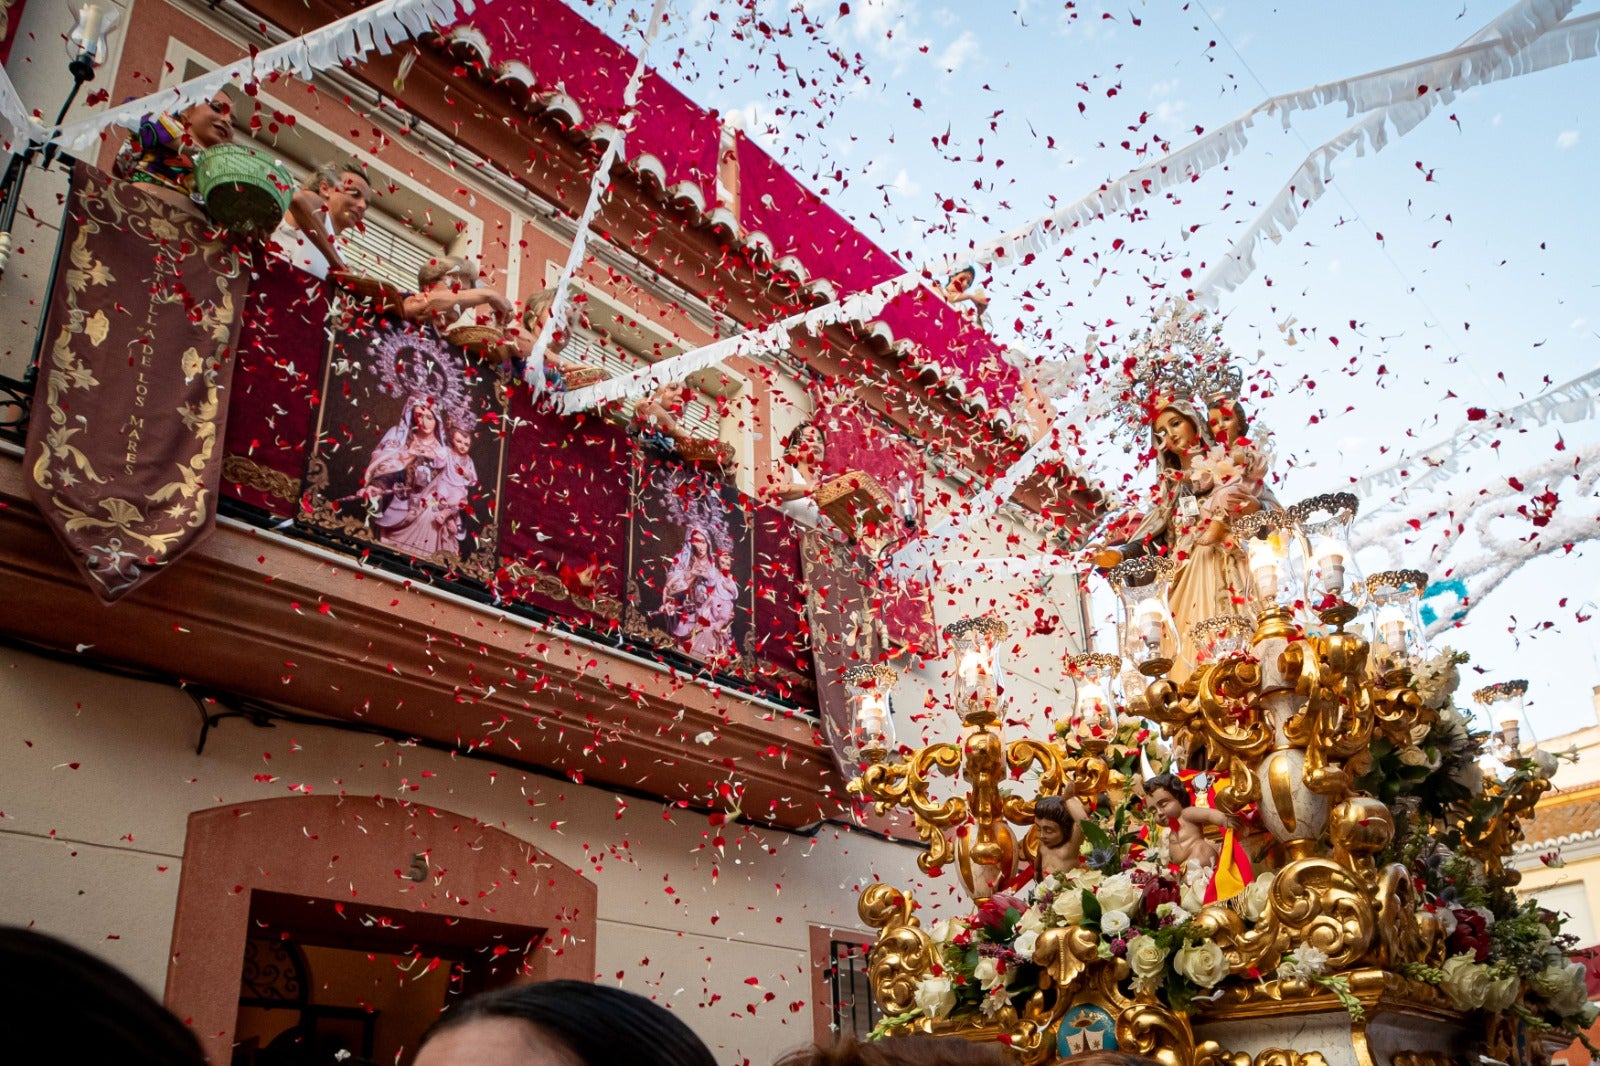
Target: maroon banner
564	528
783	642
283	342
408	450
124	448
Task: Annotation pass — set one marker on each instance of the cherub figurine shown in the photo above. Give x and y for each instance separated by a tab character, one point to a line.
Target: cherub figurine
1187	843
1057	819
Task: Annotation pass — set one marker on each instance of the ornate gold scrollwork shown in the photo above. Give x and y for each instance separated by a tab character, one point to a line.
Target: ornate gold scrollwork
906	784
903	954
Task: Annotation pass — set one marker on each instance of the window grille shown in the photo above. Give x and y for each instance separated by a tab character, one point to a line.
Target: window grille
699	416
855	1012
385	249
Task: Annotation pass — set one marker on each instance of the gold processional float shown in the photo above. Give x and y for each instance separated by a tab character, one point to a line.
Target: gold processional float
1379	927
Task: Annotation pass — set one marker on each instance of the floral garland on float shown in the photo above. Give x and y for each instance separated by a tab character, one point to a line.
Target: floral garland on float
1325	869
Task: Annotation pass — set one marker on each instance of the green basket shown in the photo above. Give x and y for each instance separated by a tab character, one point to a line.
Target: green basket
244	189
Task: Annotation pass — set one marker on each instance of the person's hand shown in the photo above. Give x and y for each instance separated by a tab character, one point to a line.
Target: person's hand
502	308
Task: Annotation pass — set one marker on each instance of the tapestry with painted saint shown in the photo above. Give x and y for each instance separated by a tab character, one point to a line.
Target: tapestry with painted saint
689	553
408	450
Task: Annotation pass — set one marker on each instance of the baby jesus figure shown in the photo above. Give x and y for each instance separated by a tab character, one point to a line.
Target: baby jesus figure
1057	821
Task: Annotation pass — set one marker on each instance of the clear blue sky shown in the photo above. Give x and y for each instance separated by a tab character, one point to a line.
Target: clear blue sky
947	123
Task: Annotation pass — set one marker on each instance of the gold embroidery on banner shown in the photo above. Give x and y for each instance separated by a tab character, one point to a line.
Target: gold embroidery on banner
237	470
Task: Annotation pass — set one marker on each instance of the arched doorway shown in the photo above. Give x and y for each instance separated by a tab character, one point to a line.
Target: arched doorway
365	875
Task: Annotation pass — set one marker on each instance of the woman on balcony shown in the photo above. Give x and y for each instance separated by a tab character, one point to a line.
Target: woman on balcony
160	153
447	291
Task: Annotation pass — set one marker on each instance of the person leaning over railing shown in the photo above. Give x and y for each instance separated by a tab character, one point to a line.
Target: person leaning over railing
447	290
333	199
160	153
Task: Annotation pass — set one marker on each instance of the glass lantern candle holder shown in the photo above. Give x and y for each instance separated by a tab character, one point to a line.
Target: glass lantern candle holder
1323	531
1269	539
1216	638
871	716
1149	635
1505	701
975	643
1397	639
1094	713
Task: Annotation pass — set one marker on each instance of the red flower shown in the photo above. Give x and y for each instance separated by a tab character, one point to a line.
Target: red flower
1471	934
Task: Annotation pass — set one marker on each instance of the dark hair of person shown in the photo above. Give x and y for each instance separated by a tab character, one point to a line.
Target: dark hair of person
82	1009
1170	783
916	1050
798	433
597	1024
1053	809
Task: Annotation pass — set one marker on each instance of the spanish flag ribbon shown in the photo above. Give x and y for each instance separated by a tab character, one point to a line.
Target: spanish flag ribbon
1233	871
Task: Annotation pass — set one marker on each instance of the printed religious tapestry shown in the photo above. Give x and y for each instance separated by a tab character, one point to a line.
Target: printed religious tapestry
689	554
408	449
124	447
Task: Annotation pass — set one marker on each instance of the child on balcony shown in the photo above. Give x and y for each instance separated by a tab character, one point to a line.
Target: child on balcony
332	200
447	290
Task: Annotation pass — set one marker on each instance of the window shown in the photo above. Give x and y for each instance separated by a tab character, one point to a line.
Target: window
842	1003
384	249
699	416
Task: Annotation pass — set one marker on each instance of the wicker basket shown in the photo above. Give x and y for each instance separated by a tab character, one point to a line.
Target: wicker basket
381	295
856	503
702	450
244	190
584	376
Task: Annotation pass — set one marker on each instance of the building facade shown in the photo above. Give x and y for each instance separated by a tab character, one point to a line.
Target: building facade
304	779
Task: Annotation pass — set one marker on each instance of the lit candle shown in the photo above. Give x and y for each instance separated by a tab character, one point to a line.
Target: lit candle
1263	553
1391	636
1147	625
90	16
1330	564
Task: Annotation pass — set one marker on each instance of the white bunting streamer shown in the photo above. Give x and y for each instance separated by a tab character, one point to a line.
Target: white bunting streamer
856	306
16	125
597	190
1579	39
1522	23
378	27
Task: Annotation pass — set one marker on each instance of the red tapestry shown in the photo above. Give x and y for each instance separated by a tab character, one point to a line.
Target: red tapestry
277	386
564	519
783	642
124	456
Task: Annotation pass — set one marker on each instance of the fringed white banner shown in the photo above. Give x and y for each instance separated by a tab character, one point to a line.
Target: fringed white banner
378	27
1494	59
16	125
1365	92
855	307
597	190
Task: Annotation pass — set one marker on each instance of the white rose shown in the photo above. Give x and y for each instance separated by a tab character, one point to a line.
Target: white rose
1114	923
1562	984
1502	992
1119	893
1413	757
1203	963
1465	982
936	996
1025	943
1069	906
1031	921
1313	961
1146	958
1252	902
947	928
987	974
1086	877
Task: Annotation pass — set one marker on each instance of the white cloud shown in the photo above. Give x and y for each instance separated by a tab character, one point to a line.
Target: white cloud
1566	139
960	50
